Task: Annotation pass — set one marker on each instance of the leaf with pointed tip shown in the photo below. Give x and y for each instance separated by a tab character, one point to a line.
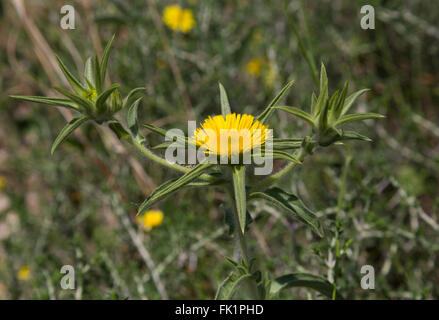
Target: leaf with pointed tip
323	80
313	103
341	101
298	113
57	102
228	287
97	74
181	139
291	204
351	99
88	73
128	99
352	135
225	105
104	61
322	101
276	155
238	175
173	186
132	117
287	143
167	144
67	130
357	117
76	85
102	98
230	220
303	280
263	117
86	104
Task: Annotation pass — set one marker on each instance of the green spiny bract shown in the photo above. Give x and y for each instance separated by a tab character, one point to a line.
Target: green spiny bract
90	98
329	112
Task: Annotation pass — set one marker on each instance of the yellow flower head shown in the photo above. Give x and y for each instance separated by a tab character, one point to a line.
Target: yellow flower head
2	182
178	19
24	273
150	219
235	134
254	67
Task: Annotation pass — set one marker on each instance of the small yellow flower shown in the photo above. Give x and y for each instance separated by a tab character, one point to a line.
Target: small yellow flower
187	21
3	182
24	273
242	131
90	95
150	219
178	19
254	66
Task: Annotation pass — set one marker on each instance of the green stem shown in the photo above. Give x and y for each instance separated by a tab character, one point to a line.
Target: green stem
150	155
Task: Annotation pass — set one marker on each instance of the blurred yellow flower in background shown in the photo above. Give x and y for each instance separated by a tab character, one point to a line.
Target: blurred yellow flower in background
24	273
178	19
2	182
254	67
150	219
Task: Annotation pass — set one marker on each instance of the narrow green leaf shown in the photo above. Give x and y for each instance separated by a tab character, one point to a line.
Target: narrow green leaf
130	97
351	99
167	144
230	220
132	117
352	135
102	98
322	100
67	130
104	61
225	105
277	155
285	144
238	174
291	204
49	101
298	113
323	80
357	117
313	103
97	74
76	85
341	101
229	286
181	139
173	186
88	73
263	117
303	280
86	104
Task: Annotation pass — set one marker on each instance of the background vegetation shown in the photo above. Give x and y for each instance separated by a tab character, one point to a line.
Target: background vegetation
380	206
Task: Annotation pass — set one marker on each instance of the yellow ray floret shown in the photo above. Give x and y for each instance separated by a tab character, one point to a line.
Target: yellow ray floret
234	134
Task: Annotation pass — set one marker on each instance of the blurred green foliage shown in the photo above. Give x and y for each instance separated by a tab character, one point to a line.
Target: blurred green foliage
62	209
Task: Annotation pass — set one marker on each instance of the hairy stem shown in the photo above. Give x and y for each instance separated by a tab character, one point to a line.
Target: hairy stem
152	156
